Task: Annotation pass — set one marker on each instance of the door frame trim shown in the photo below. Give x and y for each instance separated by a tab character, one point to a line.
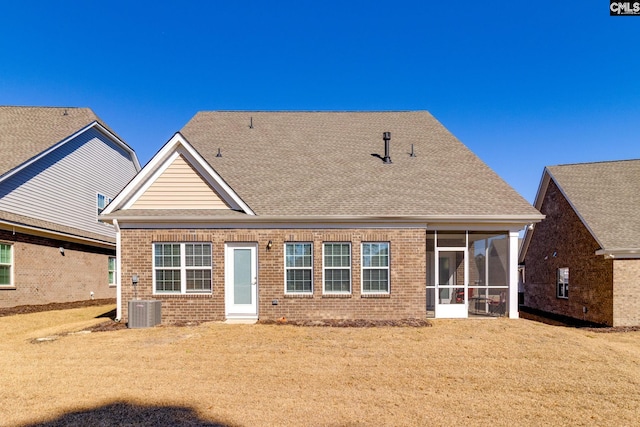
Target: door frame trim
228	275
452	311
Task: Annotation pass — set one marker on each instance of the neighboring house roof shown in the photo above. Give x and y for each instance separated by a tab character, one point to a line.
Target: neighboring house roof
330	164
29	131
37	226
606	197
28	134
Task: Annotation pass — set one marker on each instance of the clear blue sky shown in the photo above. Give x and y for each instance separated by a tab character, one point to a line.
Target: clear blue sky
522	84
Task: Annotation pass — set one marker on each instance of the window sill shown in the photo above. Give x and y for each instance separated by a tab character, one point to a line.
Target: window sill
336	295
298	295
207	295
8	288
375	296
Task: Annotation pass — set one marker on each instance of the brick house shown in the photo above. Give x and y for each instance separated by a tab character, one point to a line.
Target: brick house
318	215
58	170
583	260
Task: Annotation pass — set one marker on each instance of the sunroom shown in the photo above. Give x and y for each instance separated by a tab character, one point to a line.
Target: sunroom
472	274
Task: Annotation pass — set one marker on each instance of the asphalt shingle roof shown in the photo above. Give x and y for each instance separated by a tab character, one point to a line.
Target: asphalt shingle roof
330	163
25	132
607	197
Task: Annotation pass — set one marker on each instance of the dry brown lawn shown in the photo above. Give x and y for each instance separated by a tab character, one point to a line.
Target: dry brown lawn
495	372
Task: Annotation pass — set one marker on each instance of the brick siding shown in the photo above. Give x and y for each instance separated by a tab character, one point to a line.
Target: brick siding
407	298
590	276
43	275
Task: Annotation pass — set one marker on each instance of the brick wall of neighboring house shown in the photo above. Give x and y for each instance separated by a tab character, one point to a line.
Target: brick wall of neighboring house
43	275
626	292
590	276
407	298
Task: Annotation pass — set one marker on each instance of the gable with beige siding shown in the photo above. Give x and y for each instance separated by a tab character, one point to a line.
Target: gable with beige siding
180	186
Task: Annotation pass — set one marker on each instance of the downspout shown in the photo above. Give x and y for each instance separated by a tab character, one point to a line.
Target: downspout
119	271
513	274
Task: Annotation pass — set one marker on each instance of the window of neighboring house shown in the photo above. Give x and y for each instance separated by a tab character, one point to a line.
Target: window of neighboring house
6	264
182	268
563	283
103	201
337	267
375	268
112	271
298	268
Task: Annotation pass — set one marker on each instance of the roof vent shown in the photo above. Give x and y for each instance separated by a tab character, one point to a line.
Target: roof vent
387	137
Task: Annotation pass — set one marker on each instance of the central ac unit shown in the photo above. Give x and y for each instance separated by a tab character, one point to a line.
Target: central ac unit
144	314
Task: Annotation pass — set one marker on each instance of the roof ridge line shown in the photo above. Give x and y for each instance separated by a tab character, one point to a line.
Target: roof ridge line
595	162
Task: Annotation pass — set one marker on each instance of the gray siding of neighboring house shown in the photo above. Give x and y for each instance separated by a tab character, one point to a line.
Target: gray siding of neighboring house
62	186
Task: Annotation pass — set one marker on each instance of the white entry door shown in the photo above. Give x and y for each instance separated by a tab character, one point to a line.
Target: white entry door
451	289
241	280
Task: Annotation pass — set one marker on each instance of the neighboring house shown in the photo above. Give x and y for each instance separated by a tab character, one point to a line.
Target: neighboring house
583	259
318	215
58	170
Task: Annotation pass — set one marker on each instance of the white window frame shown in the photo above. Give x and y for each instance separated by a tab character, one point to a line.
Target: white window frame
363	268
106	199
325	268
113	280
293	268
183	268
562	283
8	264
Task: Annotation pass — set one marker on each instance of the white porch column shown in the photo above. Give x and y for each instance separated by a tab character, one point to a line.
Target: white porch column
513	274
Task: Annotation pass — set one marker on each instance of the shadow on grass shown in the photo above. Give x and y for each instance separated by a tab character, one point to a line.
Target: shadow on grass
108	315
126	414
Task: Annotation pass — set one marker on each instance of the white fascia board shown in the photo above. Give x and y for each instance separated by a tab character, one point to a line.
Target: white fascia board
542	188
54	147
119	142
28	229
619	253
290	222
142	177
176	146
213	177
542	191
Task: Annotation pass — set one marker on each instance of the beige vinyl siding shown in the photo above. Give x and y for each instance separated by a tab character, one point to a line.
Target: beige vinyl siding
180	186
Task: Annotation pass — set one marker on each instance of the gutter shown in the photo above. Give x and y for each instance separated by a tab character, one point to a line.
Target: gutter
620	253
57	234
421	220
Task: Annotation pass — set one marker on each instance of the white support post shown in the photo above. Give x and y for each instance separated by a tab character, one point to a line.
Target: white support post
513	274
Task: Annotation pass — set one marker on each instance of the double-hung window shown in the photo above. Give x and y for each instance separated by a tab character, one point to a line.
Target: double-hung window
6	264
337	267
112	270
563	283
375	268
102	202
182	268
298	268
